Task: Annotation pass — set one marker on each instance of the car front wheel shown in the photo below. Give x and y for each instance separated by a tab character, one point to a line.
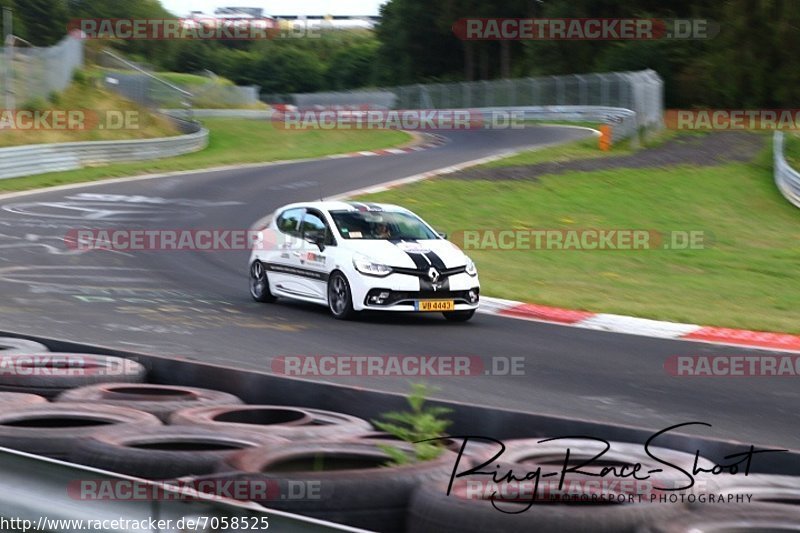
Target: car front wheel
340	299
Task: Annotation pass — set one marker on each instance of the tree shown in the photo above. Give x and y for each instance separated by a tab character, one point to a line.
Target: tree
44	22
287	70
352	66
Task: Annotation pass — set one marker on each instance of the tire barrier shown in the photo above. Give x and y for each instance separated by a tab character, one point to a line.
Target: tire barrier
432	511
164	452
608	502
160	400
766	488
755	518
51	373
293	423
353	484
13	345
533	452
9	400
54	430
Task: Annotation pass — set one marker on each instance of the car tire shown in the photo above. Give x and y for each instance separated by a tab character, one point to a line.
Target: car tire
19	399
532	453
292	423
340	297
459	316
356	487
53	430
58	372
13	345
165	452
746	517
259	283
432	510
159	400
764	488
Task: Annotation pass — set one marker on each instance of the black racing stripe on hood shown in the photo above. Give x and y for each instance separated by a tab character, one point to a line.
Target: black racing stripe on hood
419	262
435	260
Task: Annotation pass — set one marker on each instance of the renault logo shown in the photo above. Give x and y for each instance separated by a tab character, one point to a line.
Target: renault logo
433	274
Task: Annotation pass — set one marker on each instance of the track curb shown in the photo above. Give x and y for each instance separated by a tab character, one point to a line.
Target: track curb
641	326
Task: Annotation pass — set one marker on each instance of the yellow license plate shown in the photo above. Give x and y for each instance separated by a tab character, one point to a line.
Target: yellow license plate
436	305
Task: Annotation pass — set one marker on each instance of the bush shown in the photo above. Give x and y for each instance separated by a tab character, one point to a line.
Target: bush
35	104
80	78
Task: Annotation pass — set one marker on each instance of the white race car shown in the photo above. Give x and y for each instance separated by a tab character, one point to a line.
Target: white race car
355	256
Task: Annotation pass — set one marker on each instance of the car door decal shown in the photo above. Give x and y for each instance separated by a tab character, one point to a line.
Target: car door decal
296	271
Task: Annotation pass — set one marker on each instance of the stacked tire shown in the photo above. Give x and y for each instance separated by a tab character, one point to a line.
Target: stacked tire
603	498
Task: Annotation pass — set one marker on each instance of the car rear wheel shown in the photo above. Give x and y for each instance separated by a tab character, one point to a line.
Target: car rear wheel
340	299
259	285
459	316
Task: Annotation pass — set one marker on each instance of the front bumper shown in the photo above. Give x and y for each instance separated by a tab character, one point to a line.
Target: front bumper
399	292
389	300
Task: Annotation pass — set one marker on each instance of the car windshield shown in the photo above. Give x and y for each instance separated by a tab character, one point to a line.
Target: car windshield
381	225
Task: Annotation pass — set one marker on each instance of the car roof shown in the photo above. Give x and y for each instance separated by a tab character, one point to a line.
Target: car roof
346	205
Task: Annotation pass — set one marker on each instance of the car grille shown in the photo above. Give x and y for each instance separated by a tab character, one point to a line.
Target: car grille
445	272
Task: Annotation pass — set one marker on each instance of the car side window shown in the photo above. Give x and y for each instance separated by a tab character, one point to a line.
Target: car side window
313	223
289	221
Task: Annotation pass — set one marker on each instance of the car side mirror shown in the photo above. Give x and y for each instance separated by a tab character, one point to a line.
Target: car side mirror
442	234
317	238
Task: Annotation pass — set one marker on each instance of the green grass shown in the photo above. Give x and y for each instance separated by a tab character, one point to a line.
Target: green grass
232	141
748	277
192	80
581	149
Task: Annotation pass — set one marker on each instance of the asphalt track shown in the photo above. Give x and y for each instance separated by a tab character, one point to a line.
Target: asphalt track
195	305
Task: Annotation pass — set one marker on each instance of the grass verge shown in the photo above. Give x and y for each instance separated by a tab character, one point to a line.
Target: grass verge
582	149
232	141
97	105
745	276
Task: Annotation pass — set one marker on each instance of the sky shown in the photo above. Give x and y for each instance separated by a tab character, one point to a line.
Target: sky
280	7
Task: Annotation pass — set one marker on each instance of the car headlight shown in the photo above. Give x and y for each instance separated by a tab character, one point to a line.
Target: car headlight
366	266
472	270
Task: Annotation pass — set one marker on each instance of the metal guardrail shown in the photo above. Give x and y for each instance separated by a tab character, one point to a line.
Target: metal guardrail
640	91
33	159
786	178
47	492
623	121
264	114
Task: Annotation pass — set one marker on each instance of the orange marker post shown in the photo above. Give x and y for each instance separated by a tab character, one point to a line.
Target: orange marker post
605	137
